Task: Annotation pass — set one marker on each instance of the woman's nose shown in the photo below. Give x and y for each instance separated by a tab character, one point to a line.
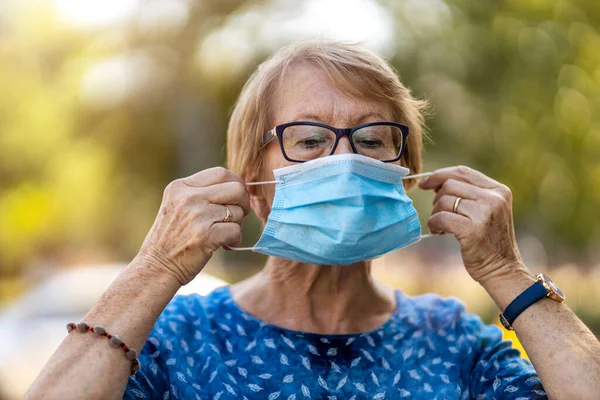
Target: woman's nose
343	146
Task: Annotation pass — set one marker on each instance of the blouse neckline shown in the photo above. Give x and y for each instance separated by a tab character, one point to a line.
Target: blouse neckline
391	323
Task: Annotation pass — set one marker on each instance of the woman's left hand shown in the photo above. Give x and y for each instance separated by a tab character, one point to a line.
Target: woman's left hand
482	223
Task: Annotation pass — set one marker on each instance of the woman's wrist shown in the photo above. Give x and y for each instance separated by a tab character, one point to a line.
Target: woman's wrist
507	282
148	265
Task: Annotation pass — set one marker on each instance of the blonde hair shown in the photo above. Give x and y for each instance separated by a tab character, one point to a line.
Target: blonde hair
356	70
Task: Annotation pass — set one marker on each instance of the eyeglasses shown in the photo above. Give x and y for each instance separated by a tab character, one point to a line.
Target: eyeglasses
304	141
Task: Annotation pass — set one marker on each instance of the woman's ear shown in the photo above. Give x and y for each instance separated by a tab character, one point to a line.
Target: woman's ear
259	203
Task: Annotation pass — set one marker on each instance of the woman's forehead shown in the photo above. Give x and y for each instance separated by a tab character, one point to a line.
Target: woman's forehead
307	93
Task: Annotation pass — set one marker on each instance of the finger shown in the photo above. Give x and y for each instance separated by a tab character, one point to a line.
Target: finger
460	173
217	213
459	189
211	176
228	193
225	234
466	207
449	222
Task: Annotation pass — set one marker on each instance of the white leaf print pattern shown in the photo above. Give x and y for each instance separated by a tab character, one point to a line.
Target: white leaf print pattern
254	387
288	342
283	359
427	370
138	393
414	374
270	343
389	348
250	345
379	396
288	378
292	397
332	351
396	379
360	387
274	395
511	389
305	391
212	376
257	360
341	383
240	330
229	346
232	378
181	377
385	364
229	388
265	376
335	368
367	355
349	341
406	354
374	378
154	368
243	372
448	364
305	362
496	384
206	364
218	395
322	383
404	393
312	349
184	345
355	362
370	341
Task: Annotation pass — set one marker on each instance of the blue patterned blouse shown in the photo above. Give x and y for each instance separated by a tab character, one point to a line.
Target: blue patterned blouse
208	348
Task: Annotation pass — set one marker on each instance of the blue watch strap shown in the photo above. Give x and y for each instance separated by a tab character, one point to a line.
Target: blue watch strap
531	295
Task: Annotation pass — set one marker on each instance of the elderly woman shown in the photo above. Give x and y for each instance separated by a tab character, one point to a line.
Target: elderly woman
330	133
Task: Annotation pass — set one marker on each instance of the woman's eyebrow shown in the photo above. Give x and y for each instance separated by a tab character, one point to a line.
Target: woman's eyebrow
370	115
362	118
308	117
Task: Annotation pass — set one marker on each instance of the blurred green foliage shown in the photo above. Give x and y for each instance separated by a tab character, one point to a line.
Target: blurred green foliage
95	122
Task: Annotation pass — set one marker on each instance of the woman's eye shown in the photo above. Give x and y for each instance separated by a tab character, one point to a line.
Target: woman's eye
370	142
311	142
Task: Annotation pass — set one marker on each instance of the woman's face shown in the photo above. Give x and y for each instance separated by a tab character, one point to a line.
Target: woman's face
308	95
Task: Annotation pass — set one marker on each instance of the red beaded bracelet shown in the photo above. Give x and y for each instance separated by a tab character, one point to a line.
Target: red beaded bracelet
113	340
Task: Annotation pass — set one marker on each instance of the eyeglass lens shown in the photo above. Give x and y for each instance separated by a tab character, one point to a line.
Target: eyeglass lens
307	142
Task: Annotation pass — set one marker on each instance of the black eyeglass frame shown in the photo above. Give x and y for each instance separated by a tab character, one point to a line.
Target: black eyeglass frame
277	131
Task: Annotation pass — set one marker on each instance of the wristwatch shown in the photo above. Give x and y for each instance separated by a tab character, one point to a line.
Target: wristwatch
543	287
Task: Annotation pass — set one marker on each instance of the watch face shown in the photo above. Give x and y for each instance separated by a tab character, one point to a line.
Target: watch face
553	286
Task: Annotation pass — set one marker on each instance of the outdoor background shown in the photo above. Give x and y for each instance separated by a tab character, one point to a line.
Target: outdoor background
103	103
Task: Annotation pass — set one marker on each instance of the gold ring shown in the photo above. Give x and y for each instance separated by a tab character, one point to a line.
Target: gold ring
456	203
229	216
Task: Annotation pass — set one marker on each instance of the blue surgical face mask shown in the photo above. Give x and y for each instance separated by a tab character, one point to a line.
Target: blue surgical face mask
338	210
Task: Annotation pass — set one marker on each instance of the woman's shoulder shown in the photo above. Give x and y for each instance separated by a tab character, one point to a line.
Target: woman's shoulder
433	311
194	312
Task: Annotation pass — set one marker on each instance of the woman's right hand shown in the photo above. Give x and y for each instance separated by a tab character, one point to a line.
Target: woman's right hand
189	226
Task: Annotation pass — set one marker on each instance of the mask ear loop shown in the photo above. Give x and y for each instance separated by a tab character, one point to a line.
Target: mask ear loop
424	174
